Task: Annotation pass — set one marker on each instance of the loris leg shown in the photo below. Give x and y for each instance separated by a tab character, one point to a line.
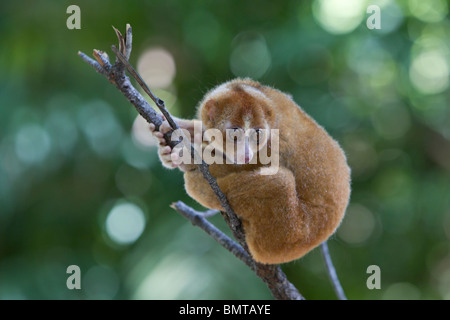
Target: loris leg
200	190
275	220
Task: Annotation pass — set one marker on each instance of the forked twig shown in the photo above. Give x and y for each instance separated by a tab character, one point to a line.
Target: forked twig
159	102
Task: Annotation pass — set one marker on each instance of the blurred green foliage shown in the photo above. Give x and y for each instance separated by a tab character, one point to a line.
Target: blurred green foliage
80	186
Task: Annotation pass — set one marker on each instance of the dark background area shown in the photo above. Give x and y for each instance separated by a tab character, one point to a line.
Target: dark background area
81	184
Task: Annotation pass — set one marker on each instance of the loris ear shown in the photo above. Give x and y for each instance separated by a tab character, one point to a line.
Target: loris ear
210	111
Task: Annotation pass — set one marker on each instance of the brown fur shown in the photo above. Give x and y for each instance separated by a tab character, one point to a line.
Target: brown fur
287	214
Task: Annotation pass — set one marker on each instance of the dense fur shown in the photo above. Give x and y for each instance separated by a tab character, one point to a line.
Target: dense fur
287	214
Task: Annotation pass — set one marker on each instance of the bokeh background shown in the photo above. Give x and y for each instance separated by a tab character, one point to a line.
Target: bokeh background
81	184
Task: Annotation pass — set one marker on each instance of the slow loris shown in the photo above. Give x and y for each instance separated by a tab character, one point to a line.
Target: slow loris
285	212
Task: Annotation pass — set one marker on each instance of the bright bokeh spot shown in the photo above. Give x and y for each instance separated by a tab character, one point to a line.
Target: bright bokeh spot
429	72
125	223
339	16
32	144
141	132
428	11
401	291
368	58
391	16
174	277
157	67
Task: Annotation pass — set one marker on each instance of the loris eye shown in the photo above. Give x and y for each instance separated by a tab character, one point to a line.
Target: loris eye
258	135
235	133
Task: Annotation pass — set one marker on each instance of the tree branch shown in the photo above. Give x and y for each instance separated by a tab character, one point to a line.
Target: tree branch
332	272
199	219
272	275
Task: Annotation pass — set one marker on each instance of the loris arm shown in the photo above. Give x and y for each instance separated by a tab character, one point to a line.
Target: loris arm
168	159
196	185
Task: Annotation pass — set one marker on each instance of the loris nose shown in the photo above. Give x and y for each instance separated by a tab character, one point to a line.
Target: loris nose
244	153
248	155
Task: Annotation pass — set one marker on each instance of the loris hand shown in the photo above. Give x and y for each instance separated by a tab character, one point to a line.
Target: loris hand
164	150
168	156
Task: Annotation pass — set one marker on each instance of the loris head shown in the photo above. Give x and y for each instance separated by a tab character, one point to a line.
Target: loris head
243	115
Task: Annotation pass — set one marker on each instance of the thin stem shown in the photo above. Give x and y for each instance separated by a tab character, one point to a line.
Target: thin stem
159	103
198	219
209	213
93	63
128	41
332	272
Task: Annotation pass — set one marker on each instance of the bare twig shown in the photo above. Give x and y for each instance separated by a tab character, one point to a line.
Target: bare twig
209	213
332	272
272	275
199	219
159	102
99	68
128	41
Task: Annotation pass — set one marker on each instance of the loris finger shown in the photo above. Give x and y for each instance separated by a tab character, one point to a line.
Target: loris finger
160	136
166	161
175	158
165	127
166	150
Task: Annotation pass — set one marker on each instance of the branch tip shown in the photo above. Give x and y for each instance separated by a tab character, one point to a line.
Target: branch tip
174	205
128	41
121	41
115	29
102	58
